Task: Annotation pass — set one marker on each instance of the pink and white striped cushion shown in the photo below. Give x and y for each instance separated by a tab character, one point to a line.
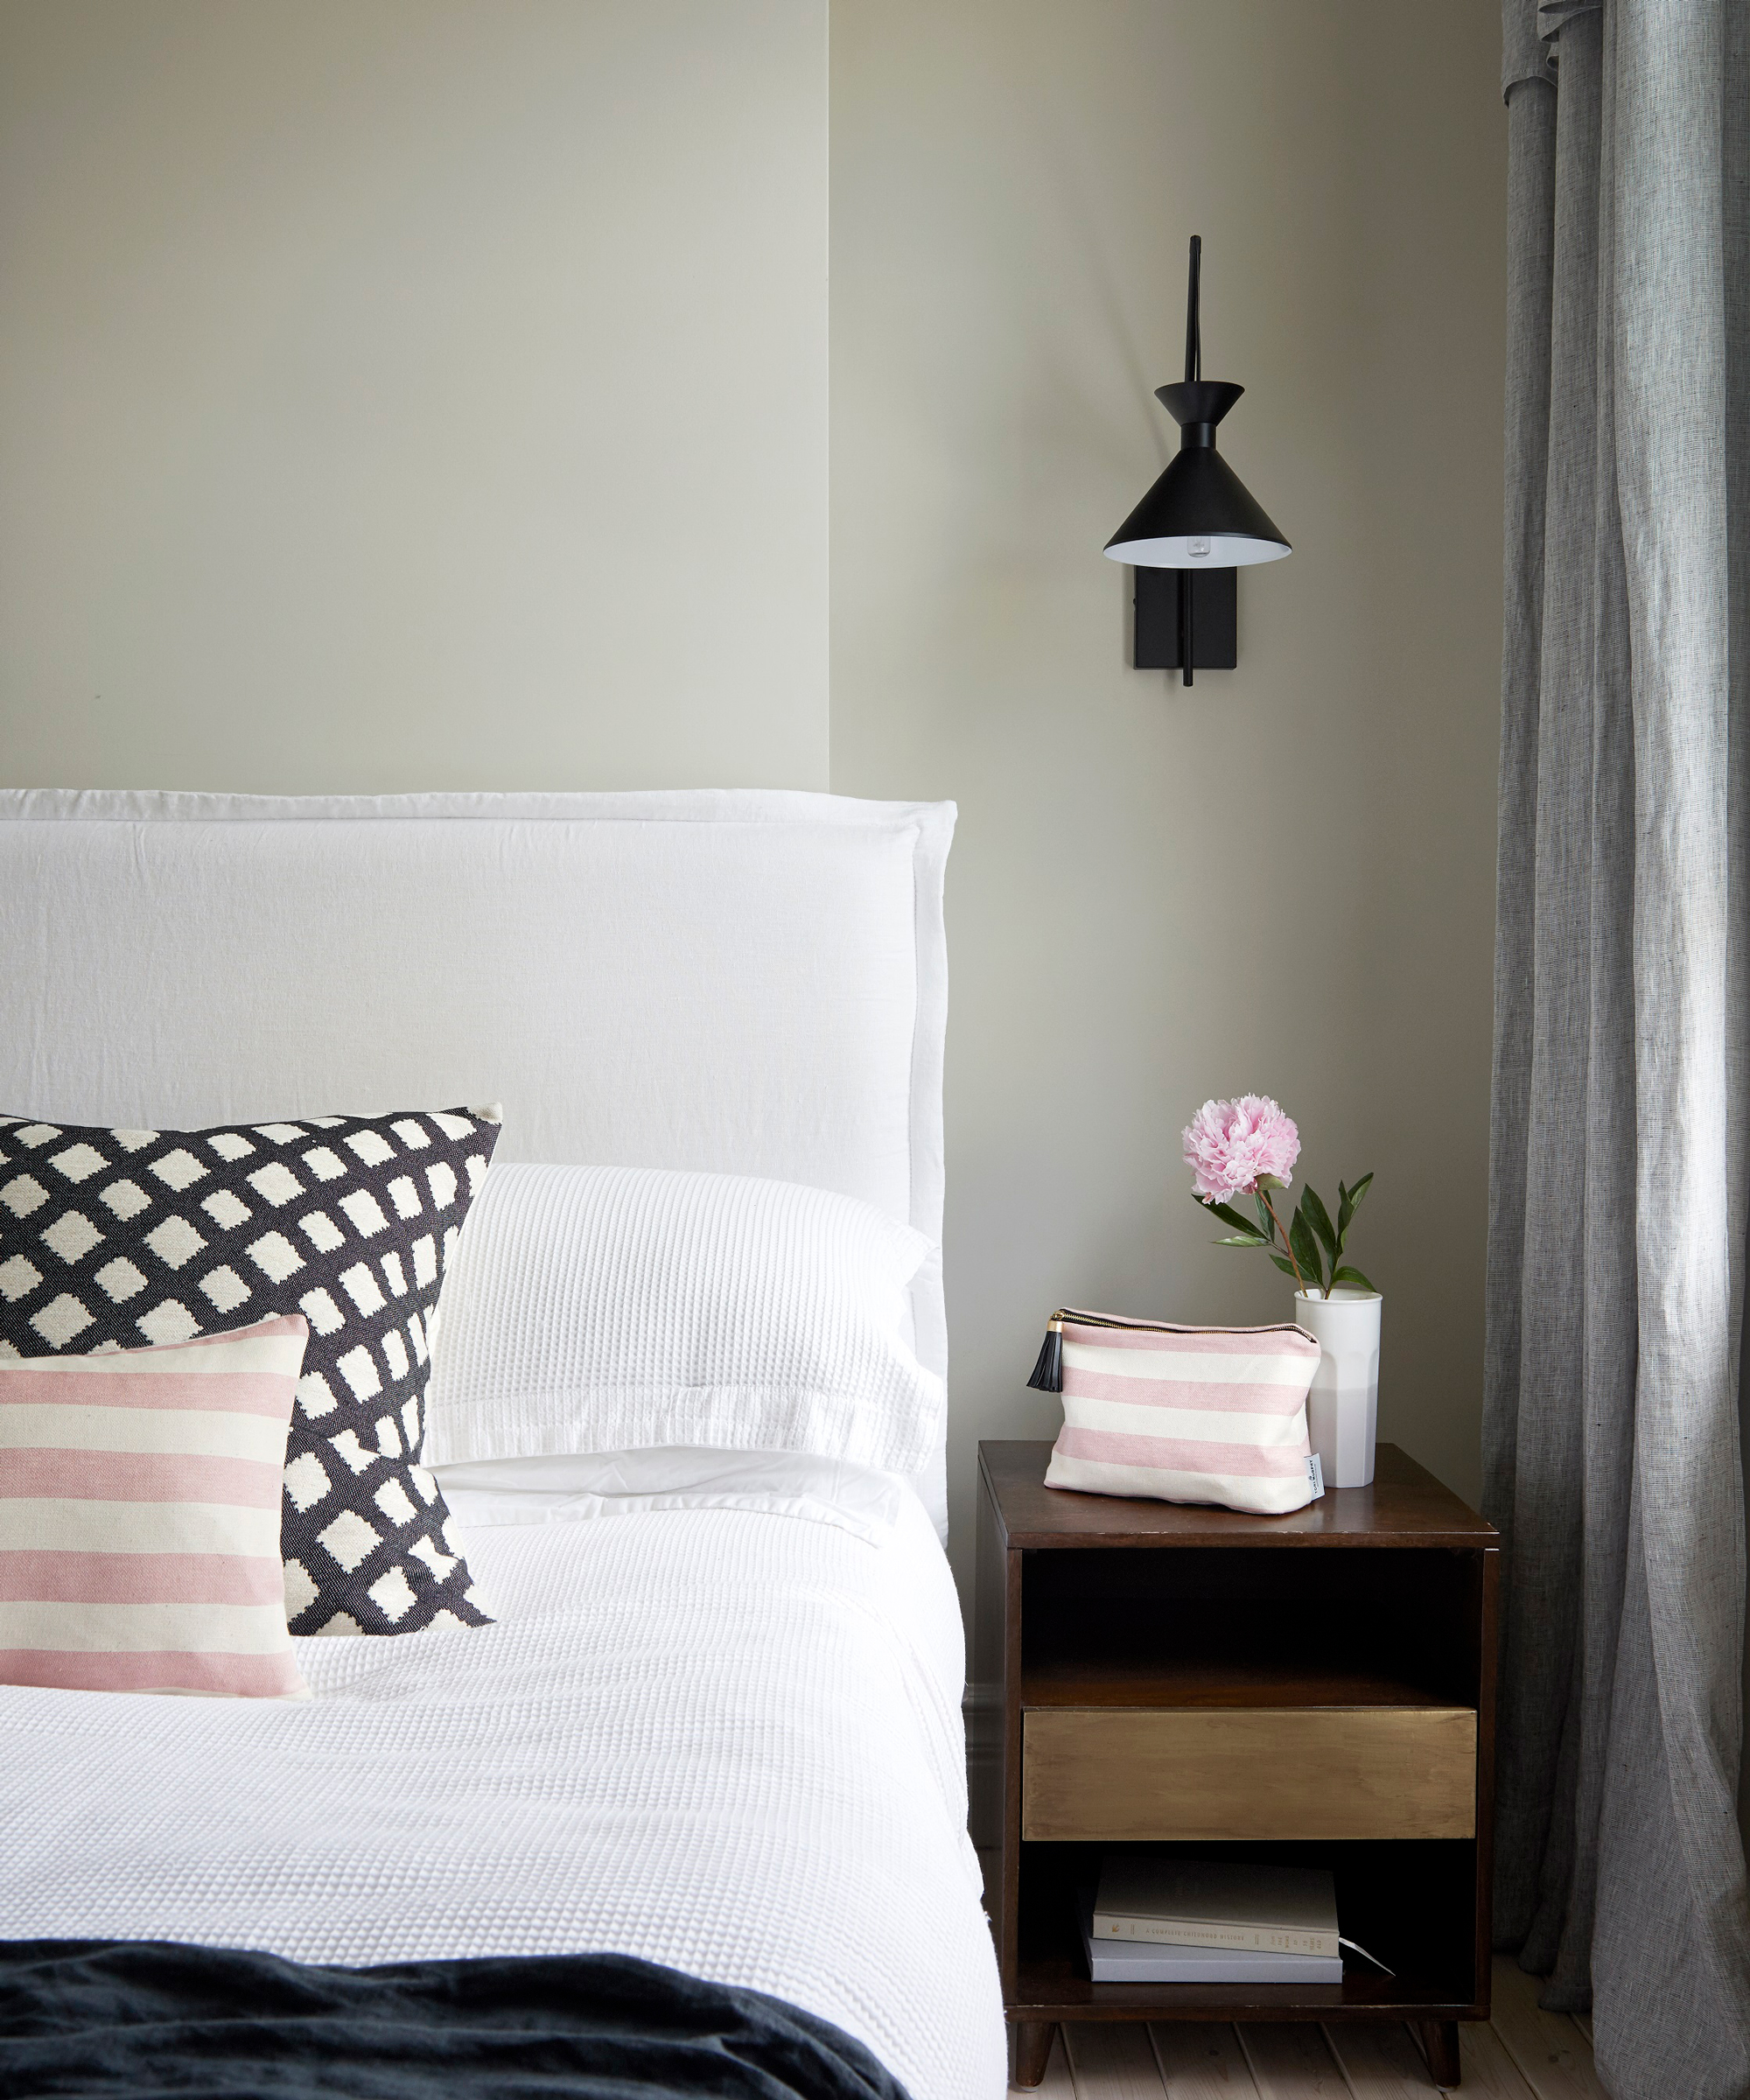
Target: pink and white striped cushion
1188	1414
139	1516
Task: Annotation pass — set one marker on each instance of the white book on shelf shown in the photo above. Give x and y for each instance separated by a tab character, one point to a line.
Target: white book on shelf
1155	1897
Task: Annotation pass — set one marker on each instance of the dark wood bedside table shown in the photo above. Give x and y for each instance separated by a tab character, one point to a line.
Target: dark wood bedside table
1316	1689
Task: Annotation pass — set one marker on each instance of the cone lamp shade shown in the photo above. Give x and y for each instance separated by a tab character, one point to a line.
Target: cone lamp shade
1199	514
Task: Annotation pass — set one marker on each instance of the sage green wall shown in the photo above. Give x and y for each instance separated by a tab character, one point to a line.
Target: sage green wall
412	393
1281	880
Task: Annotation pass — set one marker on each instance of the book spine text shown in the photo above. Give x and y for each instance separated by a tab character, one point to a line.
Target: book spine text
1192	1932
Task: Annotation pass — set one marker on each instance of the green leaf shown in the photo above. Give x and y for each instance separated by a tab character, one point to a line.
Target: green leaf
1227	1215
1353	1276
1283	1263
1271	1181
1305	1252
1319	1219
1241	1239
1266	1223
1349	1203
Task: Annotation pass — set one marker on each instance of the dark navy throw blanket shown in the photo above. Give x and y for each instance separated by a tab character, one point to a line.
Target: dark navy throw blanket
141	2018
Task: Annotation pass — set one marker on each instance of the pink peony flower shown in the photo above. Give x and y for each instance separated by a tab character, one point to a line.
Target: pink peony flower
1231	1146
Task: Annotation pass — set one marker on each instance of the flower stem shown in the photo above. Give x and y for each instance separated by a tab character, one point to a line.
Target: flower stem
1287	1244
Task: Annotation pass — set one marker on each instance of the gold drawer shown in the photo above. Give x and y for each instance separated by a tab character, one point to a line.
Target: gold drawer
1111	1773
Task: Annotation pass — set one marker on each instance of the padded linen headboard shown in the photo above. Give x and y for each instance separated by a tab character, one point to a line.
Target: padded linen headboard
750	982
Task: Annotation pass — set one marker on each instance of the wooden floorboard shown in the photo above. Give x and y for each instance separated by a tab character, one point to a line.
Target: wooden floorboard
1553	2055
1490	2073
1289	2062
1381	2062
1201	2063
1113	2060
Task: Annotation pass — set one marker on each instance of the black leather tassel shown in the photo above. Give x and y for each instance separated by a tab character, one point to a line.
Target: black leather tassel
1048	1371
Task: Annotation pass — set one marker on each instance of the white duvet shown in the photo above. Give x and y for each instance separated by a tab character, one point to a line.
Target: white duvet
725	1738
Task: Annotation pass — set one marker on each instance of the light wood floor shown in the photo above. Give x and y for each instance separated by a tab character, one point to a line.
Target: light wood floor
1524	2053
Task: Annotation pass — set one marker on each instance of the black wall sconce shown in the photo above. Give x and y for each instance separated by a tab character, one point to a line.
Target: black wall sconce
1195	528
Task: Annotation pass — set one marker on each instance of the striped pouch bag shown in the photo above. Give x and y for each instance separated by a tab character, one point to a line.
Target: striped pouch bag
1182	1414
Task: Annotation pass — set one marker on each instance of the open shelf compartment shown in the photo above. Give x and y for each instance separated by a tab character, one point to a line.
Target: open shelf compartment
1408	1903
1188	1627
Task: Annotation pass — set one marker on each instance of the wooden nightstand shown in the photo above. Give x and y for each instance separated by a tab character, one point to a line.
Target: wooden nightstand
1316	1689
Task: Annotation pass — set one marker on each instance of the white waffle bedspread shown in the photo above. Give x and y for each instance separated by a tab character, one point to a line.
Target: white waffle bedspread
725	1739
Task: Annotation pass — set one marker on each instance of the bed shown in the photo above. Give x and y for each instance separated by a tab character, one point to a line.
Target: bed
716	1725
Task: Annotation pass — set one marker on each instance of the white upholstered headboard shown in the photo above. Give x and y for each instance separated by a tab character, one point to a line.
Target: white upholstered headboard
752	982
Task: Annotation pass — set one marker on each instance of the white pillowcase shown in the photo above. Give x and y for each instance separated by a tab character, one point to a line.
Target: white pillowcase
599	1309
859	1499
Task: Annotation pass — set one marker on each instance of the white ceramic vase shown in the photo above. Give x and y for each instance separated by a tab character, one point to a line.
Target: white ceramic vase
1342	1408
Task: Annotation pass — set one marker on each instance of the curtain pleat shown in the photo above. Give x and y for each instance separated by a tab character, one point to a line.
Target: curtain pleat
1620	1182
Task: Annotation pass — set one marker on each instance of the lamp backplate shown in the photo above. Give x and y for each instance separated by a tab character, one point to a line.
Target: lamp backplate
1158	642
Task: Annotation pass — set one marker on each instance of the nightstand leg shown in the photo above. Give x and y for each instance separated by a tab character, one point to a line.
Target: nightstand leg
1034	2038
1440	2039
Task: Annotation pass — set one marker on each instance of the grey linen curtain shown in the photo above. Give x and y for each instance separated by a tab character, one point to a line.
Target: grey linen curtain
1619	1171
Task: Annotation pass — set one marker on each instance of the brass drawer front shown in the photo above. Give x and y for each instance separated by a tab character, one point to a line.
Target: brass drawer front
1118	1773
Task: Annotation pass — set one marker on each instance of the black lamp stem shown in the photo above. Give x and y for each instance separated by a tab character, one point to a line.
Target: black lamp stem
1193	331
1193	370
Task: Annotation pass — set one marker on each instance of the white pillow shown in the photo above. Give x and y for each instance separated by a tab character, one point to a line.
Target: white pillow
587	1485
594	1309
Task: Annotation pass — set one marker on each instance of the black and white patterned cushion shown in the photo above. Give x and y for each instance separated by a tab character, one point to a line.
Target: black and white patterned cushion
111	1239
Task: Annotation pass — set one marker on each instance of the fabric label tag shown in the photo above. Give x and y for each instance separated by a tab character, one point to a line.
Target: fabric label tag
1315	1473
